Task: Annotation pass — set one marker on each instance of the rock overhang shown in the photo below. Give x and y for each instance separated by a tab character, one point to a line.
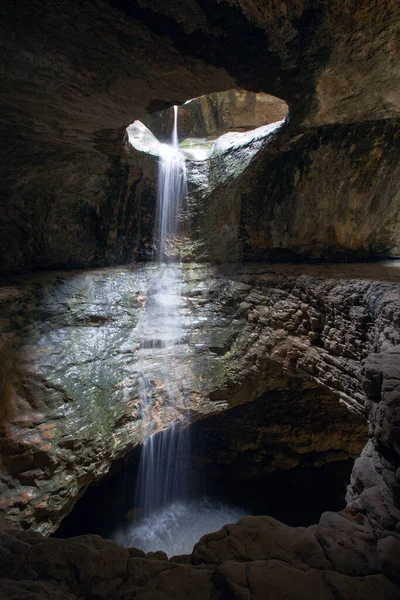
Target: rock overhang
64	165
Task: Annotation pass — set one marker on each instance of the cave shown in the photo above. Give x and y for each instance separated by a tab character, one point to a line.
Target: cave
235	468
200	300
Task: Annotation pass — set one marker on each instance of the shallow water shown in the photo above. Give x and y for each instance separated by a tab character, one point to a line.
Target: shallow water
176	528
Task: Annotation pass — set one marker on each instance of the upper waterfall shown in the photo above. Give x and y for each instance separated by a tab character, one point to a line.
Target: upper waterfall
172	190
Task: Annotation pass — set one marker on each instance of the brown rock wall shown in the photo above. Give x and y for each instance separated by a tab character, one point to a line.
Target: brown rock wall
72	73
272	329
329	193
316	196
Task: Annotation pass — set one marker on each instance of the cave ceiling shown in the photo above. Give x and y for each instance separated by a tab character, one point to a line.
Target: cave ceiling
74	75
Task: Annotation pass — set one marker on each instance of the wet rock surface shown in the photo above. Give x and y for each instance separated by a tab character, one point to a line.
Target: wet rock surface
72	343
73	77
72	409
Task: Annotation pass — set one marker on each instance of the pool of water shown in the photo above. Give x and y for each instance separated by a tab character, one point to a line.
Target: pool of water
176	528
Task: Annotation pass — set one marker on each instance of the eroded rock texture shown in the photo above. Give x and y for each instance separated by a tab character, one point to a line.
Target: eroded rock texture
74	76
266	194
374	490
74	364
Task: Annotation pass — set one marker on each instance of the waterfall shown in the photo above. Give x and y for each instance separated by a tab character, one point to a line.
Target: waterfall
162	477
175	128
172	190
165	515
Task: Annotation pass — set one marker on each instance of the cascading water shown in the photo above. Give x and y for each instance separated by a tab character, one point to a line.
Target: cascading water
172	191
162	478
166	516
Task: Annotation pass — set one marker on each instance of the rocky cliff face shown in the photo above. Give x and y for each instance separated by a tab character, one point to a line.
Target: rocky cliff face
212	115
72	408
73	78
270	194
374	488
72	341
324	185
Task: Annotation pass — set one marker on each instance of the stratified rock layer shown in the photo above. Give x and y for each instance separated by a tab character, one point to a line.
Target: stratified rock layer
375	484
71	347
72	397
